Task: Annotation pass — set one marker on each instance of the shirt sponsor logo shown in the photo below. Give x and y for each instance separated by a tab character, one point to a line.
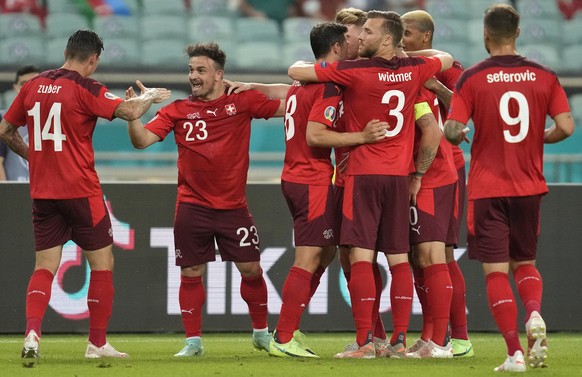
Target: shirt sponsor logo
193	116
329	113
395	77
511	77
213	112
110	95
230	109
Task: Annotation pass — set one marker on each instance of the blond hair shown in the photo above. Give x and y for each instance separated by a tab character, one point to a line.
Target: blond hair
351	16
421	19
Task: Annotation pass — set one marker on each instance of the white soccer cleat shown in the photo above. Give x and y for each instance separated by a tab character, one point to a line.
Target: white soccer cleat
515	363
432	351
193	348
537	349
94	352
30	349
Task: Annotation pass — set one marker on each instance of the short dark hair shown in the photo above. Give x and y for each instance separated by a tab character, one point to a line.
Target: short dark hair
392	24
324	35
25	70
82	44
210	50
501	21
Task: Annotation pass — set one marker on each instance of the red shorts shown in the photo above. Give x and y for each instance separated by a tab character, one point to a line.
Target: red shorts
375	213
83	220
433	217
338	194
503	229
313	211
460	209
196	228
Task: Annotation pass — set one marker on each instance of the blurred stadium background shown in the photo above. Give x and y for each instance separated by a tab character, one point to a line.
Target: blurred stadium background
145	39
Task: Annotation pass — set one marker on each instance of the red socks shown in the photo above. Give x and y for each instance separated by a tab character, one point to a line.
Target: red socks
315	280
100	303
458	303
192	297
420	288
254	292
401	292
529	286
379	330
38	296
363	295
504	309
296	292
439	294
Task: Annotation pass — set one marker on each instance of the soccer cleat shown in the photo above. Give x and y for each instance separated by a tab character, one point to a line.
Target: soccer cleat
30	349
367	351
415	348
462	348
513	363
94	352
537	349
261	340
192	348
302	340
432	351
379	344
289	349
397	351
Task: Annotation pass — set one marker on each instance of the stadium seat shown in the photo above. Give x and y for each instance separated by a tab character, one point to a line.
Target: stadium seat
546	9
17	51
575	102
477	53
55	52
6	98
62	25
159	7
255	30
293	52
572	58
121	52
19	25
297	29
163	27
259	56
448	30
62	6
478	7
210	28
164	53
117	27
535	31
572	32
448	9
475	30
217	8
459	51
543	54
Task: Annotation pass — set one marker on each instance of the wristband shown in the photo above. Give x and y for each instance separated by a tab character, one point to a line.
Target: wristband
418	174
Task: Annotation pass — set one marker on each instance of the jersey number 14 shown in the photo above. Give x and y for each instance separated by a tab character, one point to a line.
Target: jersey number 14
53	122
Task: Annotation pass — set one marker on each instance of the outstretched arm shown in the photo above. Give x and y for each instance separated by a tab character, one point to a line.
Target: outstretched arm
303	71
140	137
135	107
443	93
445	58
319	135
270	90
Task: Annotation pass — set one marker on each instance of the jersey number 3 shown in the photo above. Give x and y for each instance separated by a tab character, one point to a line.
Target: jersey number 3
53	122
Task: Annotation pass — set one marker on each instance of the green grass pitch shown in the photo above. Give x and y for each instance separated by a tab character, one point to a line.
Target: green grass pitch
233	355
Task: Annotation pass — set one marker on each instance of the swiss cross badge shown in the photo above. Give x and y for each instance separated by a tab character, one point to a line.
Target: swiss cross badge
230	109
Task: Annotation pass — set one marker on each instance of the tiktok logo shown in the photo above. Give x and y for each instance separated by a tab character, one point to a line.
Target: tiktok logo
73	305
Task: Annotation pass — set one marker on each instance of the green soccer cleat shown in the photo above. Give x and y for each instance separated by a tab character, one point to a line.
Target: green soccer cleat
290	349
192	348
302	340
261	340
462	348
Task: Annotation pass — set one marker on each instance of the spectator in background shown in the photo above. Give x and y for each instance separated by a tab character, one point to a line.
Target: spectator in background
263	9
12	166
35	7
569	8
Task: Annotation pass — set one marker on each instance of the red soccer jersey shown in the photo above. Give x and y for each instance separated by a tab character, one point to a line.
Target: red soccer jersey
315	102
213	145
343	152
61	109
508	98
442	170
381	89
449	79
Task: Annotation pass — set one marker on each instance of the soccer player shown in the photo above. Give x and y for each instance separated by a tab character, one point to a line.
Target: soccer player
60	108
377	193
306	182
12	166
212	131
508	97
418	35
